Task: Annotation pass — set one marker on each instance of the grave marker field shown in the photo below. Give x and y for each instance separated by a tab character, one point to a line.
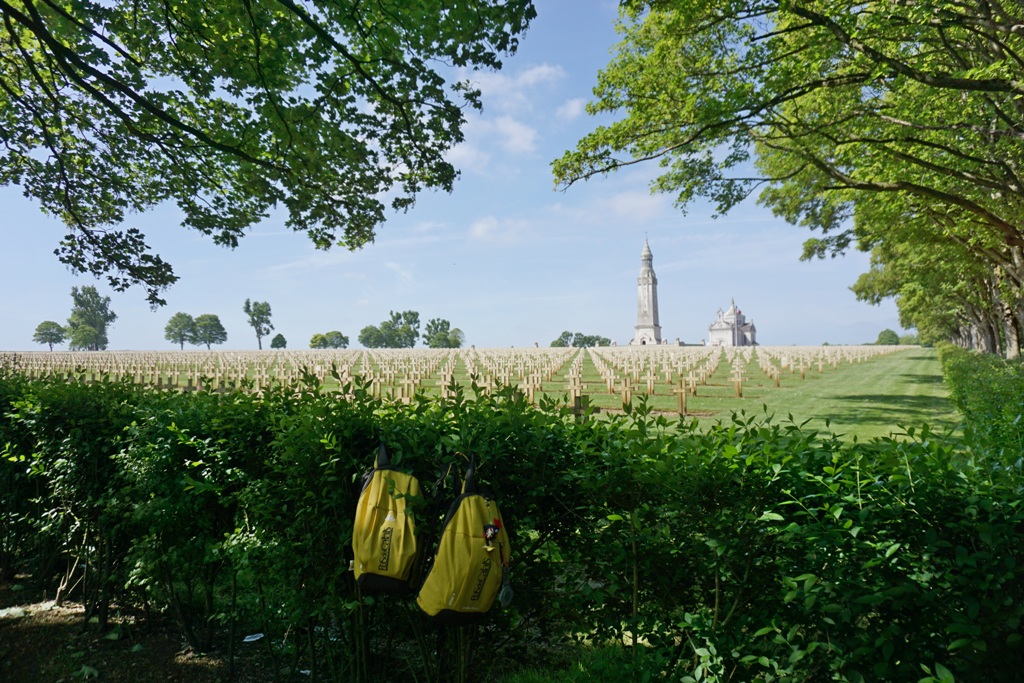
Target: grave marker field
862	390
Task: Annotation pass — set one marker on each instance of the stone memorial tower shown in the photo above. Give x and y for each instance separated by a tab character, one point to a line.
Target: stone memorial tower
648	331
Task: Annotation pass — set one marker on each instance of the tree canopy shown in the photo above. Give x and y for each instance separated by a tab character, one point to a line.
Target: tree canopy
259	319
400	332
209	330
439	334
90	316
50	333
580	340
230	109
887	337
873	123
180	328
329	340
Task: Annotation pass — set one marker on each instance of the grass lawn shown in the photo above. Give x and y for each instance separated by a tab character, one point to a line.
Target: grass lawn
879	397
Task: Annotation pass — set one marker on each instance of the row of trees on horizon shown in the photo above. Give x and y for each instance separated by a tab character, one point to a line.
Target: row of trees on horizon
87	326
86	329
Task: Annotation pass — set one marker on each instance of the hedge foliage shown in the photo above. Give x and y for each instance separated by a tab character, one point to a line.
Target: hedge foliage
754	551
989	393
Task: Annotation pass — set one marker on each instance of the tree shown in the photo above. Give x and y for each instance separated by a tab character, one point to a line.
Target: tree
439	334
336	340
278	342
870	124
92	311
400	332
180	328
887	338
329	340
84	338
49	332
230	109
563	340
580	340
208	330
371	337
259	319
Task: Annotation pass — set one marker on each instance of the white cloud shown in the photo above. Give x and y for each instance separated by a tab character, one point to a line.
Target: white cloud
516	137
428	226
404	274
468	157
638	204
571	109
631	208
338	256
502	230
484	228
542	73
509	92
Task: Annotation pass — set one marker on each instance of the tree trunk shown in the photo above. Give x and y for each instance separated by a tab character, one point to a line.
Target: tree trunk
1011	331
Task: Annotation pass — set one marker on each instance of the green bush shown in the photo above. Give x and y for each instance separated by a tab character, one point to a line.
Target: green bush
989	393
752	551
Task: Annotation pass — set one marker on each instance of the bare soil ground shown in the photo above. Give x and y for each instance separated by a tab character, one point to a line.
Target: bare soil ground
48	643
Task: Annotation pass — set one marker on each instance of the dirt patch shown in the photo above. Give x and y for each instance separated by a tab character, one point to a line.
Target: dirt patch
48	643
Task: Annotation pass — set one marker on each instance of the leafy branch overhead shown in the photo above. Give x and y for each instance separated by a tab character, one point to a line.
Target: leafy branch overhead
230	109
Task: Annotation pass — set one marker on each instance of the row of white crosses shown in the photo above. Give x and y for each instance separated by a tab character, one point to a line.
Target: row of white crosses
183	369
399	373
799	359
632	368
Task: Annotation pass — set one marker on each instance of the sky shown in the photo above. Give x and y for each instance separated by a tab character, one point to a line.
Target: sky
506	257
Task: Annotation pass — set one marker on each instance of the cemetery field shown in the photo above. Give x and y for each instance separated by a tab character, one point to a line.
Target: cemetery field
862	391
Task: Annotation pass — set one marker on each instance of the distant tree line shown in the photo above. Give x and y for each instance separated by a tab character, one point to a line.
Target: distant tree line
403	329
86	328
579	340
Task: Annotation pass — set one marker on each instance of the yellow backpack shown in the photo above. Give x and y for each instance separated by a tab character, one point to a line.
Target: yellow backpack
470	568
387	552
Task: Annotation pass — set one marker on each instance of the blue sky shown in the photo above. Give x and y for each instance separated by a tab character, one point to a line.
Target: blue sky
506	258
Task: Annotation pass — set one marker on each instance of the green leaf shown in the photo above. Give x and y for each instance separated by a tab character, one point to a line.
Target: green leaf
943	674
959	643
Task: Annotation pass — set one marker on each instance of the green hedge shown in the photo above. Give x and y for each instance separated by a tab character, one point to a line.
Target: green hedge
754	551
989	393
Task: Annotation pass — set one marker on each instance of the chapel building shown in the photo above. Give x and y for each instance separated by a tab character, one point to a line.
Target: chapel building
731	328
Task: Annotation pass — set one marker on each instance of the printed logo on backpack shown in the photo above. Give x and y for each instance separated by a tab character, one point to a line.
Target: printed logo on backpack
384	541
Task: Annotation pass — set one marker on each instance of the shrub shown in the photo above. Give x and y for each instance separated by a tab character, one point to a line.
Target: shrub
757	550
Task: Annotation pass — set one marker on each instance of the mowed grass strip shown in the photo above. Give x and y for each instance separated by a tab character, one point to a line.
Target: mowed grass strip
878	397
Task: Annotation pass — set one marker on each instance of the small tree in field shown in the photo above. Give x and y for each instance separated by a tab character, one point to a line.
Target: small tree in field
259	319
180	328
887	338
209	331
49	332
329	340
279	342
441	335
